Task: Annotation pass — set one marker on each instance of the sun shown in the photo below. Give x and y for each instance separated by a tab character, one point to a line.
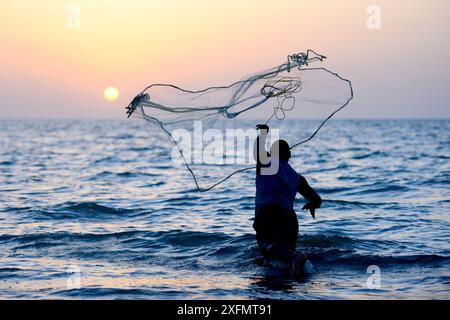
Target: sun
111	93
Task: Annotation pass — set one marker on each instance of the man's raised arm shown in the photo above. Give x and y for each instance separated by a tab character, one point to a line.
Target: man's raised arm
259	147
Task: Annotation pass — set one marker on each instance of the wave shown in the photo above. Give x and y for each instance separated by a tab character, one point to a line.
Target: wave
52	238
125	174
90	207
317	240
134	238
375	188
190	238
335	168
7	163
8	273
72	210
108	293
107	160
356	204
370	155
334	190
349	257
182	251
322	249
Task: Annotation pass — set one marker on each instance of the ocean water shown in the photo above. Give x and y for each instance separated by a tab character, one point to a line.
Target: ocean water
96	209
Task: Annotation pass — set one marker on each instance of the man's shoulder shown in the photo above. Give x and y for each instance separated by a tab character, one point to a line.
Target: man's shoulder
293	170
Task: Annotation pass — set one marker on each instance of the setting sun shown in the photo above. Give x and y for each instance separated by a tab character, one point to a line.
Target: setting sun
111	93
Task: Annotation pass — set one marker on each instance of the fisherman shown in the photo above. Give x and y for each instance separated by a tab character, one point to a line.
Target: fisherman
277	183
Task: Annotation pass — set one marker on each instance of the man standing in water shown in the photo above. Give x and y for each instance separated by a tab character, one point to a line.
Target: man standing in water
277	183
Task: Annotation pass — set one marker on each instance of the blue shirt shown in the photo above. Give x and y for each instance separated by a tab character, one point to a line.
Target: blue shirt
279	188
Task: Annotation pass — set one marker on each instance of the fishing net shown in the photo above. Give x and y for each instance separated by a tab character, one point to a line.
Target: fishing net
212	130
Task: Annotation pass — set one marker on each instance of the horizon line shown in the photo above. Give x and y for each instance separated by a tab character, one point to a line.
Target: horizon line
125	119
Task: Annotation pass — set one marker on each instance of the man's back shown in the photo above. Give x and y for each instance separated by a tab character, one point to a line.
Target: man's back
279	188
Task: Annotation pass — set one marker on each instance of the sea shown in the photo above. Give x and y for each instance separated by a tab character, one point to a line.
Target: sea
95	209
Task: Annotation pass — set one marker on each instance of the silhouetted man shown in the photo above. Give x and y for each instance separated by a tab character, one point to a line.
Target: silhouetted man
277	183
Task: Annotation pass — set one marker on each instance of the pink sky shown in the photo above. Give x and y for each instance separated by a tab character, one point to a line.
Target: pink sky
51	71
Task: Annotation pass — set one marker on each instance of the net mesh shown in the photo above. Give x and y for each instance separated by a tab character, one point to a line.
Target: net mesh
212	129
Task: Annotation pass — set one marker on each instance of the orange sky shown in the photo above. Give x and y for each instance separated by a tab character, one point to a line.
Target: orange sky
48	70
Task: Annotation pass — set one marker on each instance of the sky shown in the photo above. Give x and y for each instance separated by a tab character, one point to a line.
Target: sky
55	63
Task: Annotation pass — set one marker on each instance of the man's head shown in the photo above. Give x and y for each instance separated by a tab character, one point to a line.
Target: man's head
281	150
